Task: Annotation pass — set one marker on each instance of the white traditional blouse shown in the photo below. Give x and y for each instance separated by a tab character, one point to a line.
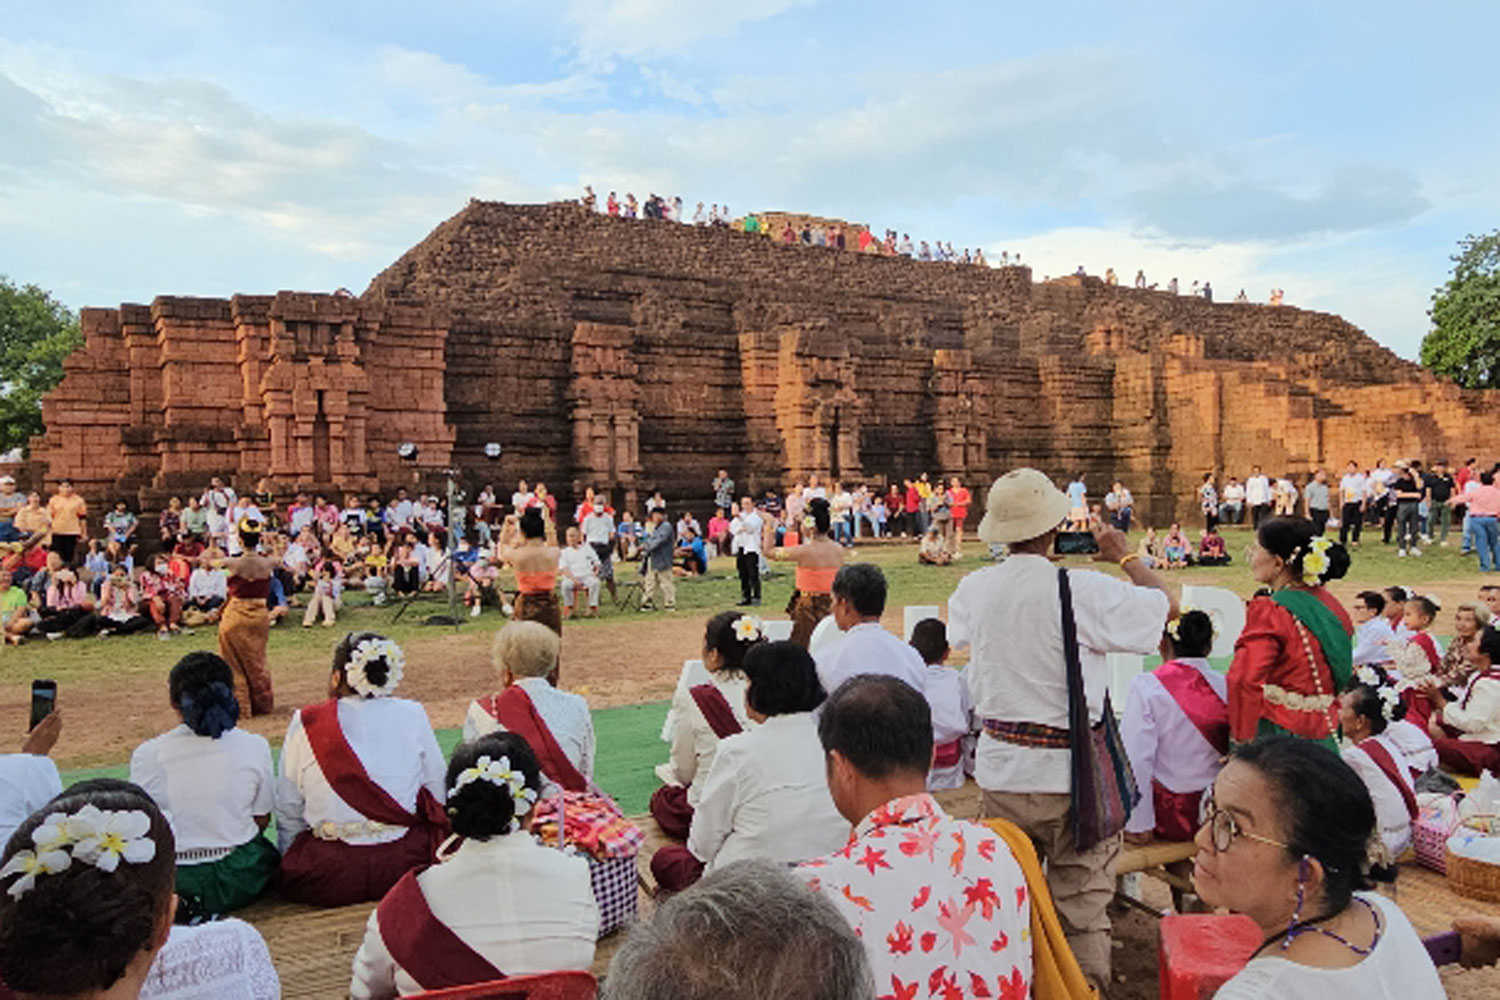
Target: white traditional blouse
211	790
694	743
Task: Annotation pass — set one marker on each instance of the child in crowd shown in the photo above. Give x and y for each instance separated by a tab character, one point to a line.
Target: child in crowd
1149	549
96	564
325	595
1175	548
953	732
1211	548
480	584
1417	656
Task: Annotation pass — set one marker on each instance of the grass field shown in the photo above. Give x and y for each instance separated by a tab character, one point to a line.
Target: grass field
629	718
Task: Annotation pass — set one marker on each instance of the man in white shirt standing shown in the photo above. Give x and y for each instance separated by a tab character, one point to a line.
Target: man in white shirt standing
1258	495
1352	488
599	531
745	533
1010	618
859	592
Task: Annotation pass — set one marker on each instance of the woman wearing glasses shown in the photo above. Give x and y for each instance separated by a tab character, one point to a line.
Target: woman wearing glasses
1284	842
1296	652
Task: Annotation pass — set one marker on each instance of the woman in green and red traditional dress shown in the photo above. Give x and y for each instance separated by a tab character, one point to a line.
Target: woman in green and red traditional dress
1296	652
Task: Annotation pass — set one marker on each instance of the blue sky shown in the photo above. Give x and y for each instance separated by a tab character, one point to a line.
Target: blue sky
1337	150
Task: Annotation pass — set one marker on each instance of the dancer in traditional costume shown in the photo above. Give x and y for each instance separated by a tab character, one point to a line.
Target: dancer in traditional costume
534	560
1295	653
1176	731
818	559
1466	730
766	796
704	715
1366	712
557	725
214	781
245	623
359	800
497	904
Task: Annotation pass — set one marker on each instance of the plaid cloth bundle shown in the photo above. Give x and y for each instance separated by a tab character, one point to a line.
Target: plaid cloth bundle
592	823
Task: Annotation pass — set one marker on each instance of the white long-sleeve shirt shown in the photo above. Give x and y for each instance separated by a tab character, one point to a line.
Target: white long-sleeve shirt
1369	641
208	583
1391	815
525	908
767	797
1257	491
566	715
867	648
392	738
694	742
745	532
211	790
1011	619
952	719
1164	745
27	782
1479	720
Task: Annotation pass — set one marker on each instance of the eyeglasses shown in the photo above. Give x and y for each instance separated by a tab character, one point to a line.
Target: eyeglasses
1224	828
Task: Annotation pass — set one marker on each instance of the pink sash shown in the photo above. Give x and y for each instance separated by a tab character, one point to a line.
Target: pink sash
346	774
715	708
512	708
948	754
1197	698
423	945
1382	758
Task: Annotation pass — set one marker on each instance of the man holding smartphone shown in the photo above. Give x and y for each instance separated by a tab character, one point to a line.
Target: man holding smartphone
1010	617
29	779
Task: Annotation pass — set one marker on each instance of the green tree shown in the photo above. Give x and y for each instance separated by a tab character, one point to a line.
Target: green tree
36	333
1464	343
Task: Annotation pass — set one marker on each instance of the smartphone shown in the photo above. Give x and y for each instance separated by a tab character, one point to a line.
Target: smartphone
43	700
1076	543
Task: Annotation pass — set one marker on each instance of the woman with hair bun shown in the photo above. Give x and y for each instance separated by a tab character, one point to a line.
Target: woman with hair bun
1367	711
818	560
1176	731
499	904
360	789
1296	651
245	622
213	780
534	560
704	715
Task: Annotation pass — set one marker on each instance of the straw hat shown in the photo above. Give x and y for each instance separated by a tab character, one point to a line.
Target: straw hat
1023	504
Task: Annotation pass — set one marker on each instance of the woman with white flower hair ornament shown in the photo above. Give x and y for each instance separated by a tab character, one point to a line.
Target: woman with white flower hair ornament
360	785
1367	710
87	908
1295	654
705	715
496	904
86	894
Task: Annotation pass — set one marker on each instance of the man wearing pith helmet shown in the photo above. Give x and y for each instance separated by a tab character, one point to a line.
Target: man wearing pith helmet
1009	616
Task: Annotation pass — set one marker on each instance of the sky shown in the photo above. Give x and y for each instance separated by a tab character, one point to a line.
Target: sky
1336	150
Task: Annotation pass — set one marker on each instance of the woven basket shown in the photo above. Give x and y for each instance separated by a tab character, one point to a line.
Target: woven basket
1476	879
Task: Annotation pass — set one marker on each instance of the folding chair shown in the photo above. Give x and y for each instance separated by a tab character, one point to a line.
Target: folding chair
541	986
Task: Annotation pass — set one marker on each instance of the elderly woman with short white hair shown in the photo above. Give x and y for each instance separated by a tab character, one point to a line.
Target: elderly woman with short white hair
556	724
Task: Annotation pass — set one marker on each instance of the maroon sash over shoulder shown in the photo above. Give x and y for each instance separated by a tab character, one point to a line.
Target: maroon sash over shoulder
1377	752
346	773
1197	698
423	945
715	708
512	708
948	754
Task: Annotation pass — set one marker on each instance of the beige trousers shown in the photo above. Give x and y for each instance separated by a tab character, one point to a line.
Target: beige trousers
1082	884
663	580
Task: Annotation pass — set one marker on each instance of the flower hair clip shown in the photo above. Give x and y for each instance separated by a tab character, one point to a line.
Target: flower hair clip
502	775
1315	560
1388	693
366	653
94	836
1175	623
748	628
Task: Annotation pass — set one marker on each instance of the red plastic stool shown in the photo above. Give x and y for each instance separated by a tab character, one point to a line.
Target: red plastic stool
1202	951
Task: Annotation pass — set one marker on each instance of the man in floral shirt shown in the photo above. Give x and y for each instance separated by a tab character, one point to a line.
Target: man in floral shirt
941	904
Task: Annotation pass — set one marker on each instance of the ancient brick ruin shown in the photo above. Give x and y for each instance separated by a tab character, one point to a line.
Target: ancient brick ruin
636	354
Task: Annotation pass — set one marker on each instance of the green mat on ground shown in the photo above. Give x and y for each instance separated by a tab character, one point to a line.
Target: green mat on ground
629	747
